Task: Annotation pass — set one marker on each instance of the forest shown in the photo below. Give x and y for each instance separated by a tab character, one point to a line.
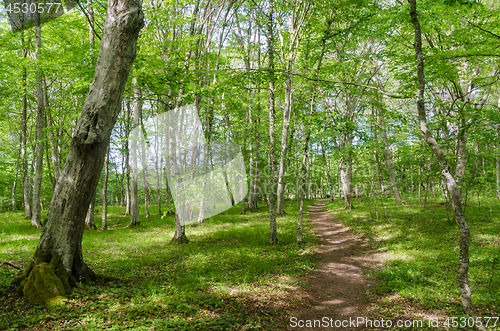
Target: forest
250	164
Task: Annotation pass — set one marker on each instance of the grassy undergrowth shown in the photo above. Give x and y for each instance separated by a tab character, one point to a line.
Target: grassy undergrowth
420	250
227	278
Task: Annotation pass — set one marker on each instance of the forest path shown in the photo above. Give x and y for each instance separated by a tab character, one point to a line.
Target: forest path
337	290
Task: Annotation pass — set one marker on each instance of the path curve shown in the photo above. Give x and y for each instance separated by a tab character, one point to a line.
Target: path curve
337	290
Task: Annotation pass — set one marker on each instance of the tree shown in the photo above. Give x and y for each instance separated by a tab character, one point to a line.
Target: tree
58	262
40	125
453	190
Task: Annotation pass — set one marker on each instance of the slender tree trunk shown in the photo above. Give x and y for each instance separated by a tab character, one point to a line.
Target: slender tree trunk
303	172
273	233
159	168
284	146
90	9
58	261
135	218
127	162
144	162
327	170
89	218
180	232
14	187
389	163
463	268
346	177
40	125
24	119
104	218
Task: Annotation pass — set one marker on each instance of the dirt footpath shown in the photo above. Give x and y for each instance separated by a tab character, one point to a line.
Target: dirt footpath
337	291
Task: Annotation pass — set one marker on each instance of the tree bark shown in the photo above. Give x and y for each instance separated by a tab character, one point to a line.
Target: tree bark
14	187
24	120
329	177
135	218
59	251
40	125
299	14
273	233
89	218
104	217
462	275
388	161
127	162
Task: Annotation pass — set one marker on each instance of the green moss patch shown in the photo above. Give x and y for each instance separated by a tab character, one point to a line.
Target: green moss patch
43	286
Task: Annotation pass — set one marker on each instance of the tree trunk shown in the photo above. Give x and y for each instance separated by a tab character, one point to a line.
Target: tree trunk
104	218
303	172
58	256
90	9
14	187
330	183
89	218
284	146
40	125
159	169
346	178
273	233
180	232
389	163
127	162
135	218
24	119
463	268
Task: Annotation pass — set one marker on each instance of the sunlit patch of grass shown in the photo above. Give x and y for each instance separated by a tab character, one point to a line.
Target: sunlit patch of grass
421	253
227	276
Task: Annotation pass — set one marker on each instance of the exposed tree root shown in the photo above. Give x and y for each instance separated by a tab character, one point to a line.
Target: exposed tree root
9	264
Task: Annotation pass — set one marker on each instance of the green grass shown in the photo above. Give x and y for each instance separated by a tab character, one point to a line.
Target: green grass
421	254
227	278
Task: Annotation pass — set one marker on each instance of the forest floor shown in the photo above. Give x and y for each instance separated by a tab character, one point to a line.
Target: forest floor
337	290
382	260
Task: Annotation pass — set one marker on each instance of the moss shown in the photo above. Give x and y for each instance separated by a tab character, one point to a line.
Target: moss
44	286
180	240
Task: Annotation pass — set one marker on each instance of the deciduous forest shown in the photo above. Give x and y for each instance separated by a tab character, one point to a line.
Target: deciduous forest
250	165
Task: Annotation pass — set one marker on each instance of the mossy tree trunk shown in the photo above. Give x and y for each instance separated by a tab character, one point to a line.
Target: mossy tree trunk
58	262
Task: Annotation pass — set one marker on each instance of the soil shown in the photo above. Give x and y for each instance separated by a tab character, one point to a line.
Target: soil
337	291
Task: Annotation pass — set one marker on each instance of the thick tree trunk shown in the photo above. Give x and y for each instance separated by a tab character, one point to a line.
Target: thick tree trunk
463	268
104	217
58	261
40	125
